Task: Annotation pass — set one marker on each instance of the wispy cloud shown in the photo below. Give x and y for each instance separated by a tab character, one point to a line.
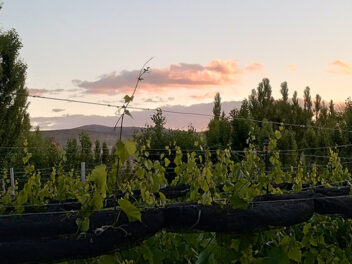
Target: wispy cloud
203	96
340	67
255	67
34	91
185	75
158	99
58	110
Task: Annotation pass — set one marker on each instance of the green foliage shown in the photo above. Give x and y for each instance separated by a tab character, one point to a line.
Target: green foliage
132	212
91	195
323	239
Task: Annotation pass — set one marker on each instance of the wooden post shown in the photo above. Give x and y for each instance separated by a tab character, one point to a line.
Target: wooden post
12	178
83	171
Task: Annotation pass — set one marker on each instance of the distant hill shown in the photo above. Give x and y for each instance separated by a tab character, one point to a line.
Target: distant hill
102	133
140	118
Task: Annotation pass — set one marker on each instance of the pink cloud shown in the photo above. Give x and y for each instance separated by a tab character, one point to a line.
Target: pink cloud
185	75
37	91
340	67
255	67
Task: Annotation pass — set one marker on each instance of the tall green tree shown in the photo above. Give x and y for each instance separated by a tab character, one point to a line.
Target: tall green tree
86	152
317	106
14	119
71	154
241	126
284	91
217	106
105	156
308	104
261	101
219	128
97	152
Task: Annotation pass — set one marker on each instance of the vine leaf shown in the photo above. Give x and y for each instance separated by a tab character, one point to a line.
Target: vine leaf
237	202
127	112
132	212
107	259
125	150
83	224
277	255
207	255
295	253
203	257
128	98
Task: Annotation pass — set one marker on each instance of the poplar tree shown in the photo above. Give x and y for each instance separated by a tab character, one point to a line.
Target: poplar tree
217	106
284	91
317	106
97	152
14	119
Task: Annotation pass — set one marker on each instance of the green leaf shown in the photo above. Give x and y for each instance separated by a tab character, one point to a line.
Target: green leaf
98	176
128	98
147	254
313	241
294	253
121	151
127	112
167	162
83	224
125	150
132	212
107	259
306	228
203	257
162	197
238	203
97	202
277	255
130	147
235	244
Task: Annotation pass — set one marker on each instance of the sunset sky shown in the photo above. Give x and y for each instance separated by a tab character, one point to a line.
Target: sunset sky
92	50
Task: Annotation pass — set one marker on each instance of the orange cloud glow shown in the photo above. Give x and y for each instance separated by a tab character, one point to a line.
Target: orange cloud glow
292	68
183	75
340	67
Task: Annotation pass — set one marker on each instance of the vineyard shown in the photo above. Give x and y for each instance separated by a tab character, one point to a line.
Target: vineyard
247	190
215	210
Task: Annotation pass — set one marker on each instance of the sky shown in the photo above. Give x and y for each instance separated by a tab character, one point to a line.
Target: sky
92	50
